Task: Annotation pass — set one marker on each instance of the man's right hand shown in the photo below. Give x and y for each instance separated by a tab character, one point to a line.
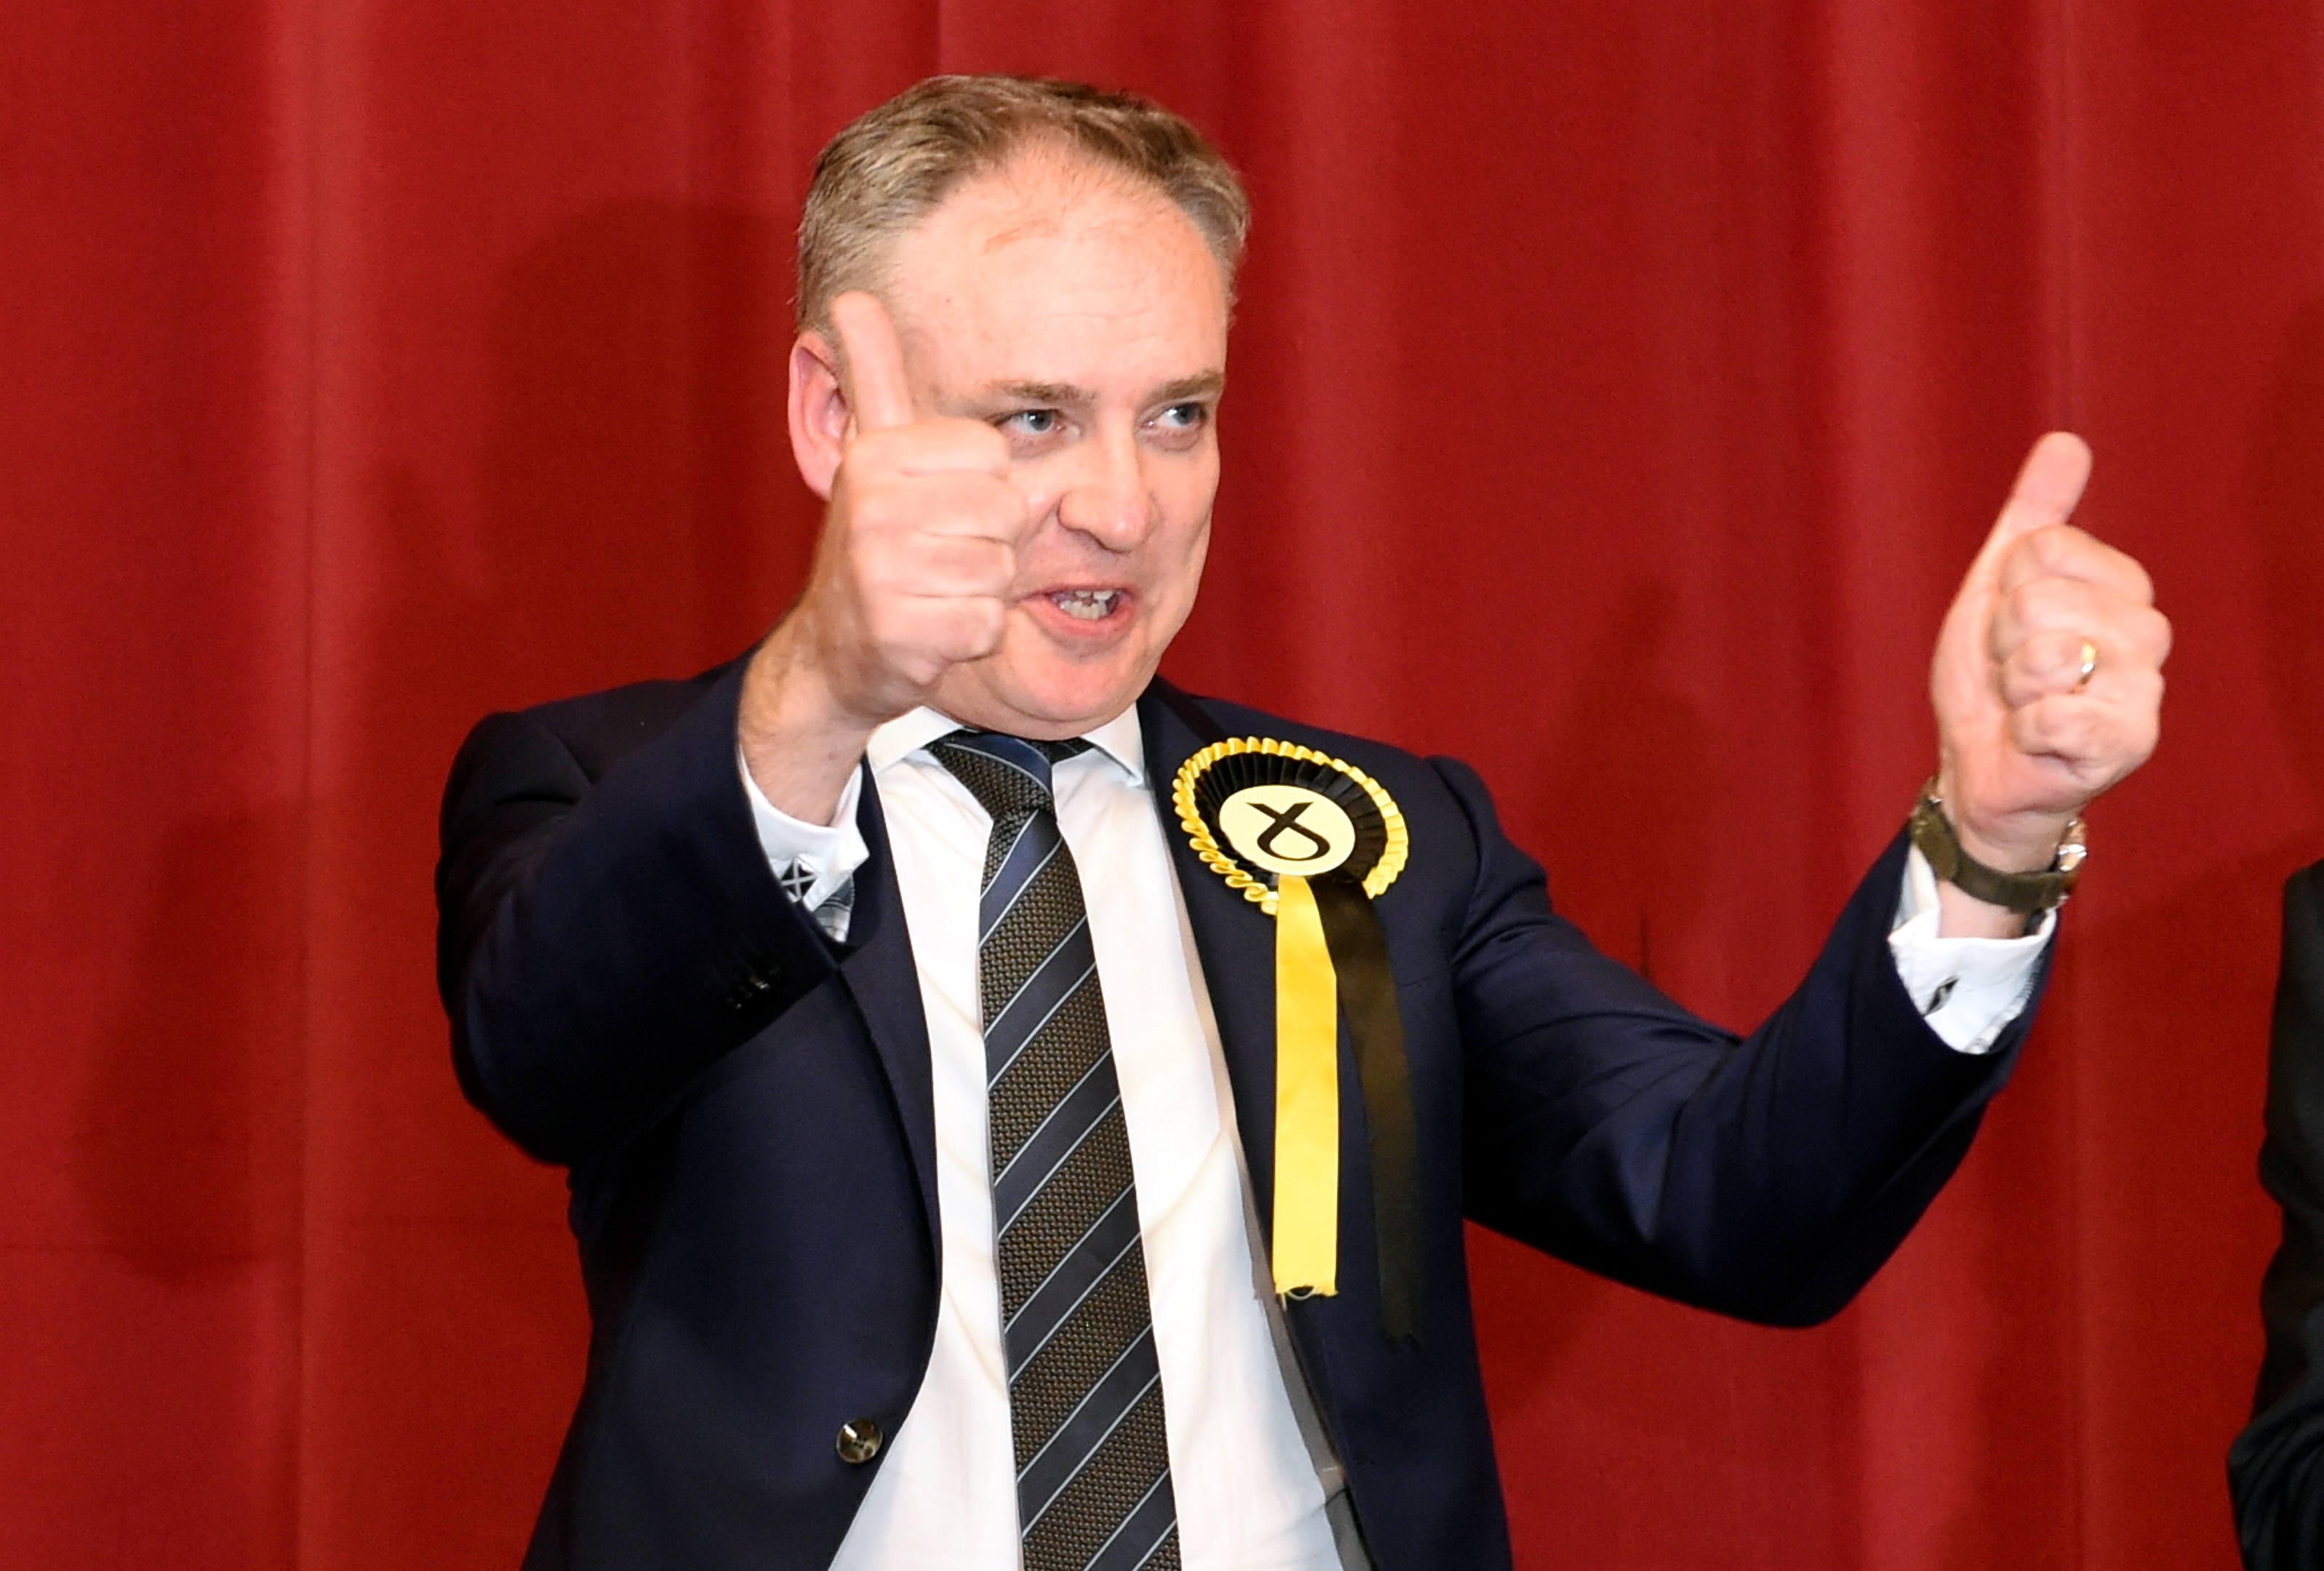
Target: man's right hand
911	578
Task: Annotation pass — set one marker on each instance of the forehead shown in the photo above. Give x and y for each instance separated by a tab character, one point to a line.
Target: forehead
1051	268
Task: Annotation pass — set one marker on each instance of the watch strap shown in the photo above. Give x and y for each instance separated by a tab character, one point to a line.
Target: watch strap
2026	894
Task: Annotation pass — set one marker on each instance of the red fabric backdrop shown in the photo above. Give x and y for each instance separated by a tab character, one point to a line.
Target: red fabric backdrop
1618	392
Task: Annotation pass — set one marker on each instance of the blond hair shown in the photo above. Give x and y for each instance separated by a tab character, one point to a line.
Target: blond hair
878	178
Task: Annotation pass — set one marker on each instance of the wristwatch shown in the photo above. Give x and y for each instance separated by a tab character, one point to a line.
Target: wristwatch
2026	894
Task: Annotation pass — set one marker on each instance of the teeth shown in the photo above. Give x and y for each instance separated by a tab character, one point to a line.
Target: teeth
1088	604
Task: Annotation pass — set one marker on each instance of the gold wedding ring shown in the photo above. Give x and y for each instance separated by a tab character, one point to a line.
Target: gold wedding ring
2089	667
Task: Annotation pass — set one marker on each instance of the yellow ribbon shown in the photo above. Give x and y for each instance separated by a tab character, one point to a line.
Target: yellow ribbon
1307	1098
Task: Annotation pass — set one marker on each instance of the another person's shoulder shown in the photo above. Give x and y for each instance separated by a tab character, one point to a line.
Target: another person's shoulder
2272	1468
2300	990
2304	890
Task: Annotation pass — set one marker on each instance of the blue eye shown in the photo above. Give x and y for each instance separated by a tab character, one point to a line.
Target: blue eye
1033	422
1184	417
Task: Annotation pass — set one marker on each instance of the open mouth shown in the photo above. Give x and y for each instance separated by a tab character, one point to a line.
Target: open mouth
1087	605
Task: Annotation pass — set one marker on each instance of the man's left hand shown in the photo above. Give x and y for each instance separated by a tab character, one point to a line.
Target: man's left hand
2047	675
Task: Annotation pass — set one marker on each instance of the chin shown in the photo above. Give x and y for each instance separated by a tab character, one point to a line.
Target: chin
1050	698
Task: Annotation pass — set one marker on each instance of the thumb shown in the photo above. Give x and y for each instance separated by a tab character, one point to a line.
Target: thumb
873	359
2049	485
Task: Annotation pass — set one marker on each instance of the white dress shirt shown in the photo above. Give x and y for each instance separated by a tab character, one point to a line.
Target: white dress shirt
1248	1494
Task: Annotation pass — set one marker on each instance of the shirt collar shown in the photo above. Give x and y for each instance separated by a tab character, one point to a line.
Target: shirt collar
1118	738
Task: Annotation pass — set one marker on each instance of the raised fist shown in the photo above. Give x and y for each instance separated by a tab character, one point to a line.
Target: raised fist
919	545
911	577
2047	675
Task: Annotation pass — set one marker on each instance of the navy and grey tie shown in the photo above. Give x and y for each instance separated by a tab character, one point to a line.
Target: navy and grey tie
1085	1385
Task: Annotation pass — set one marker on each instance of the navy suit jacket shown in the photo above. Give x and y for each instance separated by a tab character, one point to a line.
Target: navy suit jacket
746	1112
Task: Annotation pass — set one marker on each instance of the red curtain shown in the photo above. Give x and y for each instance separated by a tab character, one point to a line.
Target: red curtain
1620	391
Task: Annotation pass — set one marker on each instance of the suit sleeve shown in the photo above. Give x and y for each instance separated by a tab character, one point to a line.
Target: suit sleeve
606	931
1767	1177
2276	1467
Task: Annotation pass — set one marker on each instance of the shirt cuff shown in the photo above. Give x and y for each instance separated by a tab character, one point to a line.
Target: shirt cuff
1969	989
811	862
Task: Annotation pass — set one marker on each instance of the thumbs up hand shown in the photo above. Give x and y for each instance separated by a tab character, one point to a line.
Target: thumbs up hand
919	545
2048	676
911	576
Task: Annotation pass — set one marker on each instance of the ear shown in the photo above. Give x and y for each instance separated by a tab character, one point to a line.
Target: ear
821	421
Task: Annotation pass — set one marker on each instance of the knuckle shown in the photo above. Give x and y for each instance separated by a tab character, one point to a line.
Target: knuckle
2158	635
2044	550
2032	672
880	567
877	511
974	627
2035	602
2041	552
2056	724
2066	606
2055	653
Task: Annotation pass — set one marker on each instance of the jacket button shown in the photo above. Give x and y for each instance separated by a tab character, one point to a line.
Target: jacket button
859	1441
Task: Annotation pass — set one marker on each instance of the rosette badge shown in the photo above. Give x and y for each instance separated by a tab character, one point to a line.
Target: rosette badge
1312	841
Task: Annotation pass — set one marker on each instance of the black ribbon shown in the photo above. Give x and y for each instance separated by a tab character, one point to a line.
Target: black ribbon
1367	983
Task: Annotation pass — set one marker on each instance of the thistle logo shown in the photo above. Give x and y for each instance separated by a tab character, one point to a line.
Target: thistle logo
1271	842
1287	829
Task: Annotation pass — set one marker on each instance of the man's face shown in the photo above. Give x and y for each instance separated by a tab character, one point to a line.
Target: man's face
1083	315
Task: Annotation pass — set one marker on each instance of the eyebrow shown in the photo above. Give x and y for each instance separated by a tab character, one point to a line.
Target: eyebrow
1204	385
1040	392
1208	384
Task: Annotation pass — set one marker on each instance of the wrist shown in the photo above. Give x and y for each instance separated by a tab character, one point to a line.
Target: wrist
2016	842
2003	875
804	679
799	739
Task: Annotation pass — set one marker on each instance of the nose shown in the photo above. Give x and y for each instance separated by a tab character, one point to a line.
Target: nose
1106	495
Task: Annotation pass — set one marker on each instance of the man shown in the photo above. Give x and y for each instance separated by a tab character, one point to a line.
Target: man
2277	1466
1021	1114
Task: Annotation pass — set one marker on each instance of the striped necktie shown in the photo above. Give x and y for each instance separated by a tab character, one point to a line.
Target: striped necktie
1085	1385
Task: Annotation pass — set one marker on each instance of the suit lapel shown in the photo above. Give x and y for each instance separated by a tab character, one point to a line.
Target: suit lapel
1234	938
886	983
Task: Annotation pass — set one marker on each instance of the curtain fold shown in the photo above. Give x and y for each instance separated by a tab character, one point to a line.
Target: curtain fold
1618	393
